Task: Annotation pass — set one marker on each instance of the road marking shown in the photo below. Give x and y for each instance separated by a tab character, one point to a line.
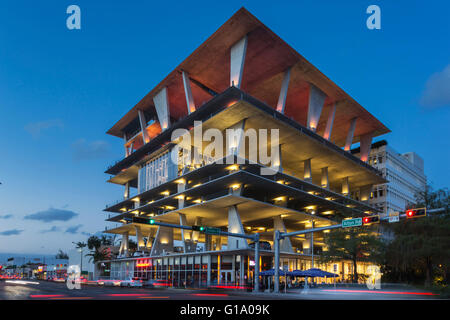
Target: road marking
156	297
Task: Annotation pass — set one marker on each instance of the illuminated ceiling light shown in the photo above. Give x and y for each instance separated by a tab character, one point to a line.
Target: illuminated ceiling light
123	209
136	212
326	231
232	167
280	181
169	207
313	212
367	211
165	193
235	186
328	212
198	184
197	201
151	201
181	197
284	215
136	199
329	198
311	192
261	228
310	207
279	199
180	181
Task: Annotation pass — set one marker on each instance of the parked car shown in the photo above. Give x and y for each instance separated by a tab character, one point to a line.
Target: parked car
131	282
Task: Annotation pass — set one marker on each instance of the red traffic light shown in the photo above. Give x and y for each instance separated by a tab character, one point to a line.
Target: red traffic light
416	213
371	219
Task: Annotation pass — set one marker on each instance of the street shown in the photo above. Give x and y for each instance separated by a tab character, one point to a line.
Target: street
43	290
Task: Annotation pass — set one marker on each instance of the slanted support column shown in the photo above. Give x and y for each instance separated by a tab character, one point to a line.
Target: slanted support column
238	51
143	124
180	188
126	193
285	244
235	226
365	144
345	187
186	236
150	238
315	105
188	92
307	176
235	139
161	101
364	192
124	144
351	131
123	250
196	234
277	164
163	241
139	238
283	92
330	121
324	181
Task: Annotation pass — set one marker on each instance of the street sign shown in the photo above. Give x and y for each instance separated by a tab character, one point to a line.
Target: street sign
212	230
394	217
355	222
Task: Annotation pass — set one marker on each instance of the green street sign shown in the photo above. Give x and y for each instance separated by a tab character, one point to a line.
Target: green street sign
212	230
355	222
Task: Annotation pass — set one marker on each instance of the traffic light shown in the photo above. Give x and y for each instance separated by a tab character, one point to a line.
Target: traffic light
416	213
371	219
198	228
143	220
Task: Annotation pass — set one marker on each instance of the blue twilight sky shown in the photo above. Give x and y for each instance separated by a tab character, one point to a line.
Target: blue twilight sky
61	90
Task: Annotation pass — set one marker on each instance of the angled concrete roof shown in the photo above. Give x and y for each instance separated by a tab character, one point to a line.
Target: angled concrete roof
268	56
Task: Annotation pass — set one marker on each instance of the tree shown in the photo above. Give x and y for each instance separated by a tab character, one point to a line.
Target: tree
94	242
354	244
61	255
420	247
98	255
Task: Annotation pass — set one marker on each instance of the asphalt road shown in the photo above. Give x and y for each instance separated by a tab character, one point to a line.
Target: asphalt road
43	290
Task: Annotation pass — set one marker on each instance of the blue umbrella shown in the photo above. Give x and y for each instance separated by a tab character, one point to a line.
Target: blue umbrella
315	272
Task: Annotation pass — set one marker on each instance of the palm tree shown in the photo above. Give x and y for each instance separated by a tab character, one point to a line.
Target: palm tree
80	245
98	255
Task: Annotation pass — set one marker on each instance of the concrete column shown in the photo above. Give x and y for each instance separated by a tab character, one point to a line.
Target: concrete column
365	143
143	124
238	51
196	234
324	181
277	164
188	92
180	188
364	193
123	250
163	241
235	139
139	238
307	176
235	226
285	243
151	235
315	105
126	193
186	236
351	131
345	187
283	92
124	144
330	121
161	101
208	277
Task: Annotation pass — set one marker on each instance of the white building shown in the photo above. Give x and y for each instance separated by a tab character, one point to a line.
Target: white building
405	173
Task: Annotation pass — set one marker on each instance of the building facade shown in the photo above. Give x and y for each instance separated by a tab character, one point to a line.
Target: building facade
404	173
247	136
